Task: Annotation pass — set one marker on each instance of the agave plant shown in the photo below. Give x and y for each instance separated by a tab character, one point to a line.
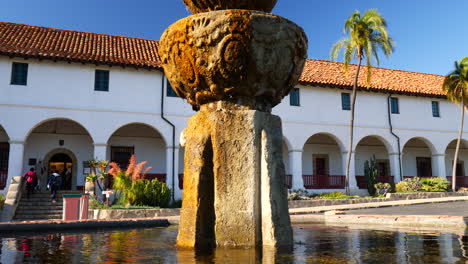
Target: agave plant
124	179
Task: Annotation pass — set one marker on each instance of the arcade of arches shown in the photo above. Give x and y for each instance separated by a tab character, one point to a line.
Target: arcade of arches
64	146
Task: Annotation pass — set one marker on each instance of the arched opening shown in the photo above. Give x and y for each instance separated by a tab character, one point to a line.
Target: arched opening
417	158
145	142
60	161
462	162
61	137
322	165
4	156
366	149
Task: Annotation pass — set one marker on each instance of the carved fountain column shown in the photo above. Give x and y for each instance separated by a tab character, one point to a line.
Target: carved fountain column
233	61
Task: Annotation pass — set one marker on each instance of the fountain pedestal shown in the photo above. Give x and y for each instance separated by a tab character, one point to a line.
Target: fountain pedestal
235	190
233	65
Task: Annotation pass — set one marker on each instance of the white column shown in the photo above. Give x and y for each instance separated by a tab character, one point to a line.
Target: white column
100	151
395	166
352	170
177	191
295	165
15	161
438	165
171	171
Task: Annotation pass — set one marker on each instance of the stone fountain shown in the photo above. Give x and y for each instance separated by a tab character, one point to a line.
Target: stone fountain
233	62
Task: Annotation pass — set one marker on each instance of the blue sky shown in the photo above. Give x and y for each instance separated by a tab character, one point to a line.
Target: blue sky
429	34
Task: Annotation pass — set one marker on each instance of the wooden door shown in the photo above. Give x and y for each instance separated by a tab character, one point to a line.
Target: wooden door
424	167
382	168
320	166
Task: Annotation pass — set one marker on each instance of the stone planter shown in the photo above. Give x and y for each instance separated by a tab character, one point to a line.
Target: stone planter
132	213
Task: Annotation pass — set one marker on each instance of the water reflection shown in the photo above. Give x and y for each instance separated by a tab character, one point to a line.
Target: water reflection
314	244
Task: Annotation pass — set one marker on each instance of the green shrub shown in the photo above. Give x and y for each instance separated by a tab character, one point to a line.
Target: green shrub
434	184
94	203
148	193
412	184
401	187
2	201
298	194
382	188
336	195
371	173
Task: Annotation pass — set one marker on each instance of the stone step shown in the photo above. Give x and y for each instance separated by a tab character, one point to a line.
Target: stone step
39	208
47	193
38	217
44	216
39	203
40	196
21	214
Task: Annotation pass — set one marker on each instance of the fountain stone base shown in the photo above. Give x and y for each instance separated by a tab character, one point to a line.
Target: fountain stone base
235	192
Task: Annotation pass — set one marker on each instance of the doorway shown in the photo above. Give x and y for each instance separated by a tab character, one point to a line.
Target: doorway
63	165
320	163
424	167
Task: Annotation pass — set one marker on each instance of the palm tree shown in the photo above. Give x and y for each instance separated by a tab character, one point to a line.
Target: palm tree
456	85
367	35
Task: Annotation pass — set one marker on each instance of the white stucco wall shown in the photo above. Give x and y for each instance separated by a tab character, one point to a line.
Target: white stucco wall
66	90
39	145
409	160
151	150
334	158
365	153
462	155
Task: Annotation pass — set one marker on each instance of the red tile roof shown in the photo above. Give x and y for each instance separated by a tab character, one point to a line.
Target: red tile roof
19	40
331	74
58	44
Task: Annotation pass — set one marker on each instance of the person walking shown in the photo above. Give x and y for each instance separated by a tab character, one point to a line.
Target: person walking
54	185
31	180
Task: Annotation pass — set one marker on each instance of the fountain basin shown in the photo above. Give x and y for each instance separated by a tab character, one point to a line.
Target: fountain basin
199	6
229	54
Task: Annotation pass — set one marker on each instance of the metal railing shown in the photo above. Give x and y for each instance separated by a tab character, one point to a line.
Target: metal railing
324	181
407	177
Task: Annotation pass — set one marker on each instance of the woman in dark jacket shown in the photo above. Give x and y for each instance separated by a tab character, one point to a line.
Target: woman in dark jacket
54	183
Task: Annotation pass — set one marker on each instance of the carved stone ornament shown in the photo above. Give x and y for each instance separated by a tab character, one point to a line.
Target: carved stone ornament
199	6
233	54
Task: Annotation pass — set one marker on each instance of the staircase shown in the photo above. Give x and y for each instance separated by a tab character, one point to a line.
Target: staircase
39	206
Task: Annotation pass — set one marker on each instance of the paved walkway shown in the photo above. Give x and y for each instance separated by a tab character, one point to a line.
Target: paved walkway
451	209
320	209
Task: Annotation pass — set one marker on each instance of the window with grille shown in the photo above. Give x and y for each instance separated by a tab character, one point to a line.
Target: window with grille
435	109
121	155
19	73
101	81
345	101
294	97
169	90
394	107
